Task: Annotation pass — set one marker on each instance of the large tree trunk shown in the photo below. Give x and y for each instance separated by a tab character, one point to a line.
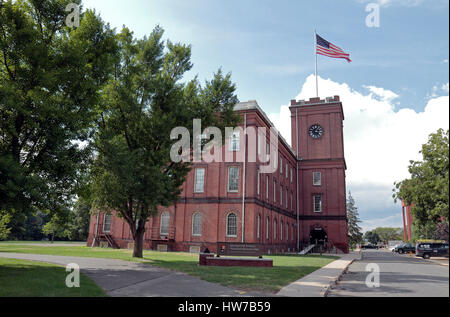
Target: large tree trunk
138	243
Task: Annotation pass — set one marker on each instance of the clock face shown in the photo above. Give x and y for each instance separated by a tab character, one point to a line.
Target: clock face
316	131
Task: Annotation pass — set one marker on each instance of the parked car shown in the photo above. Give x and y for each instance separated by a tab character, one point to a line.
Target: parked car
369	246
428	250
394	248
405	248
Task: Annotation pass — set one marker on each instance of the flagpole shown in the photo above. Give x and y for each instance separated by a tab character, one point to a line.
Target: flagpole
315	52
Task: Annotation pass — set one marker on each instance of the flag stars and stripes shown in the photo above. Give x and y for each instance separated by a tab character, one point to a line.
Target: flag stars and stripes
326	48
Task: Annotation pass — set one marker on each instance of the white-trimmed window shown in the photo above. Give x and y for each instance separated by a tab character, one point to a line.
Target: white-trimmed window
281	230
317	200
164	224
107	223
287	231
274	191
232	225
292	176
281	165
275	229
199	180
258	185
233	179
317	179
258	227
235	141
287	170
281	195
267	228
197	224
287	198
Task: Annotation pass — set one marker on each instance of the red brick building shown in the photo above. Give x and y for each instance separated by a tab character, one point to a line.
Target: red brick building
302	202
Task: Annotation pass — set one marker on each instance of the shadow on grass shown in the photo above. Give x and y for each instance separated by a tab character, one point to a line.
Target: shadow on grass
19	278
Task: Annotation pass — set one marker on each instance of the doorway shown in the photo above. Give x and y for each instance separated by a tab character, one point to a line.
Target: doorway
318	236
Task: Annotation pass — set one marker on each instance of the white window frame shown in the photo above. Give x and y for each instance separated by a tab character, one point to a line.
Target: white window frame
320	203
281	230
104	222
267	227
292	176
258	185
275	224
258	227
274	191
281	195
161	223
281	165
229	178
197	226
235	141
317	178
196	179
228	225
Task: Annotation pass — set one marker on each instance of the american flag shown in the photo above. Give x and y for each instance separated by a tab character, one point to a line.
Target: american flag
325	48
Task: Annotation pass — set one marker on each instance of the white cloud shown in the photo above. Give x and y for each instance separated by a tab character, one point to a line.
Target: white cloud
379	141
393	221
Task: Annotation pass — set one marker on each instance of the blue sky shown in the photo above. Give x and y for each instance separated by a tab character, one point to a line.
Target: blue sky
401	67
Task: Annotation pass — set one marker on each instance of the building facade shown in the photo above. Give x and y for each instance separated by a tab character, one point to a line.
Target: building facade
302	202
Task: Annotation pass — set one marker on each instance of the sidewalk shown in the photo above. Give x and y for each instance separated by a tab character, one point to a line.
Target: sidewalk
131	279
317	284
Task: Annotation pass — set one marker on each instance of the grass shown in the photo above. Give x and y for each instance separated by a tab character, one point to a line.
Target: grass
286	270
20	278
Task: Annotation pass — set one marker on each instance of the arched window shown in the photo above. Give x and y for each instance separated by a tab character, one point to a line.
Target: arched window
165	224
267	228
231	225
197	224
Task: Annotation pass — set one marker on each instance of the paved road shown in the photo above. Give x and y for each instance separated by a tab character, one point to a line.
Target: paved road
130	279
400	276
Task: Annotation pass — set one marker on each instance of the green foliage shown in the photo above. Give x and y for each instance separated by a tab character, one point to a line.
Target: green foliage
428	188
50	82
56	227
354	230
4	221
386	234
133	173
372	237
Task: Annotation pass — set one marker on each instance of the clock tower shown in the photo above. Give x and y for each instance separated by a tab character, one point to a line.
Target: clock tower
317	140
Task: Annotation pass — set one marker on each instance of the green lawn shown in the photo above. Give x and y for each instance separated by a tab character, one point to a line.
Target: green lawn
20	278
286	270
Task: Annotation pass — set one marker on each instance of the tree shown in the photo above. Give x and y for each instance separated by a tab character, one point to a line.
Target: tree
133	173
372	237
56	227
354	230
79	217
386	234
427	191
442	231
50	82
4	230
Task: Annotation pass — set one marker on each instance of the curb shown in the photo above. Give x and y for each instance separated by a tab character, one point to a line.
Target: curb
326	290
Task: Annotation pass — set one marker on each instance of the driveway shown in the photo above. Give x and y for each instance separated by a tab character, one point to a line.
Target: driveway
400	276
129	279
